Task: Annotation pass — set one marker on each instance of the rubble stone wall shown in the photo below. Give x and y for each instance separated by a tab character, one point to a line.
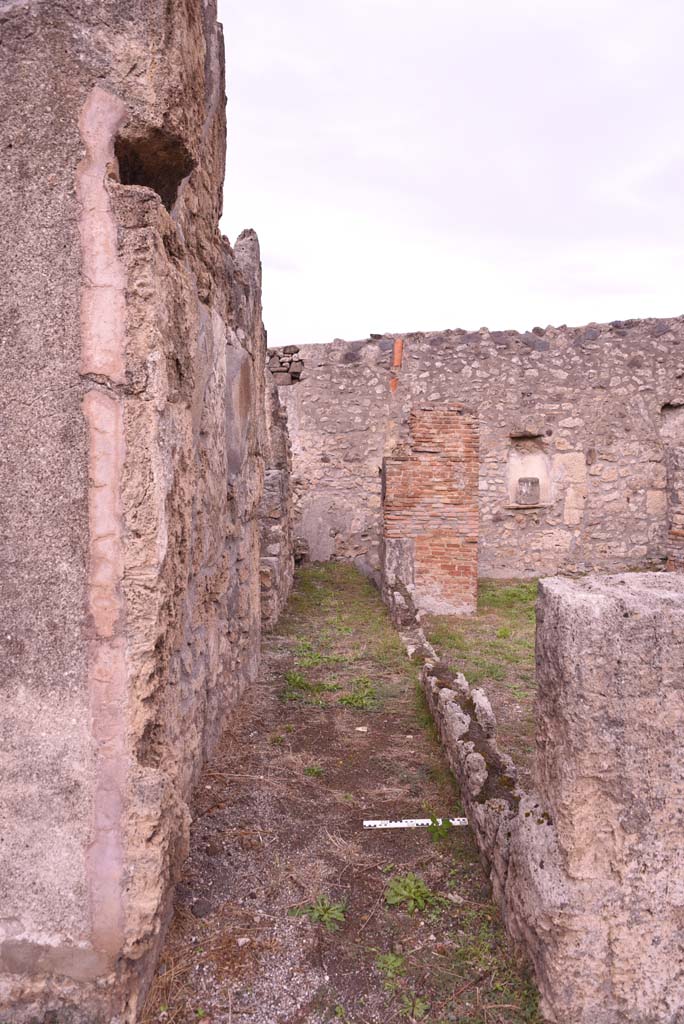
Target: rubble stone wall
672	432
131	470
578	410
275	512
587	869
430	515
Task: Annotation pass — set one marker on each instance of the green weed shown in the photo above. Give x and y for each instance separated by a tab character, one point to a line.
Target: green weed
314	771
439	830
322	911
363	696
392	967
414	1007
299	689
410	890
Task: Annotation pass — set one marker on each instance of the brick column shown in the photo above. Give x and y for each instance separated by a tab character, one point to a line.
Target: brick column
430	507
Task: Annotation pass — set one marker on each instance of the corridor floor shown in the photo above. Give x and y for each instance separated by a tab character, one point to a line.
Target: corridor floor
289	912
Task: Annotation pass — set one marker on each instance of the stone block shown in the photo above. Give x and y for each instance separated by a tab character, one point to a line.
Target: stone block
610	773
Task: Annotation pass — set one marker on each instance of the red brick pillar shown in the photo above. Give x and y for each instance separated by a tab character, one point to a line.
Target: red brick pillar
430	506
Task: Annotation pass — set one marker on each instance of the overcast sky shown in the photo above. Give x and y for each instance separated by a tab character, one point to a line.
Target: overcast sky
427	164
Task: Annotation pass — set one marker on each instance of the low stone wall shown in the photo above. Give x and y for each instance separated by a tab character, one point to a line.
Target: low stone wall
133	390
275	513
587	870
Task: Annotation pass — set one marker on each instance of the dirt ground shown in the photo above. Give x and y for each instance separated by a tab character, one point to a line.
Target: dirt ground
290	912
495	650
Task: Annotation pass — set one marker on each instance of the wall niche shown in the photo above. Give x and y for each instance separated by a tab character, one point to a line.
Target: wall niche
528	472
672	424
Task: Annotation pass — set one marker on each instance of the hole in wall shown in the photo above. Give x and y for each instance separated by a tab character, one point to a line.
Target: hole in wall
156	160
150	747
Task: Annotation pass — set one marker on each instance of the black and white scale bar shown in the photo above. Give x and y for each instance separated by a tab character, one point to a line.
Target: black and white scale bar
414	823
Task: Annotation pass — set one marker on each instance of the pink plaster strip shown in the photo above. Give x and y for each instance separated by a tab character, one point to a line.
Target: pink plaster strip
103	354
103	292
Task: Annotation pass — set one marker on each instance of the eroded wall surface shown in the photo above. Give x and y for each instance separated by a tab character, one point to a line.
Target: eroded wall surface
275	512
133	391
587	868
578	410
610	673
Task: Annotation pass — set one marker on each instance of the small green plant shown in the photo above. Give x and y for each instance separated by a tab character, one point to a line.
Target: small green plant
414	1007
322	911
408	889
277	740
438	830
363	696
503	633
307	655
392	967
341	1013
200	1014
298	688
314	771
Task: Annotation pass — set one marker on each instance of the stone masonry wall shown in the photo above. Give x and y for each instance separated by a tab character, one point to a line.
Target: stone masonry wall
131	470
580	410
587	869
672	433
430	515
275	512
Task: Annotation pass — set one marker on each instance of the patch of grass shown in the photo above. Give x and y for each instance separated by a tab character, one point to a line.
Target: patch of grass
409	890
518	597
314	771
478	670
299	689
520	693
481	947
423	714
495	649
443	635
363	696
307	656
389	652
322	911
